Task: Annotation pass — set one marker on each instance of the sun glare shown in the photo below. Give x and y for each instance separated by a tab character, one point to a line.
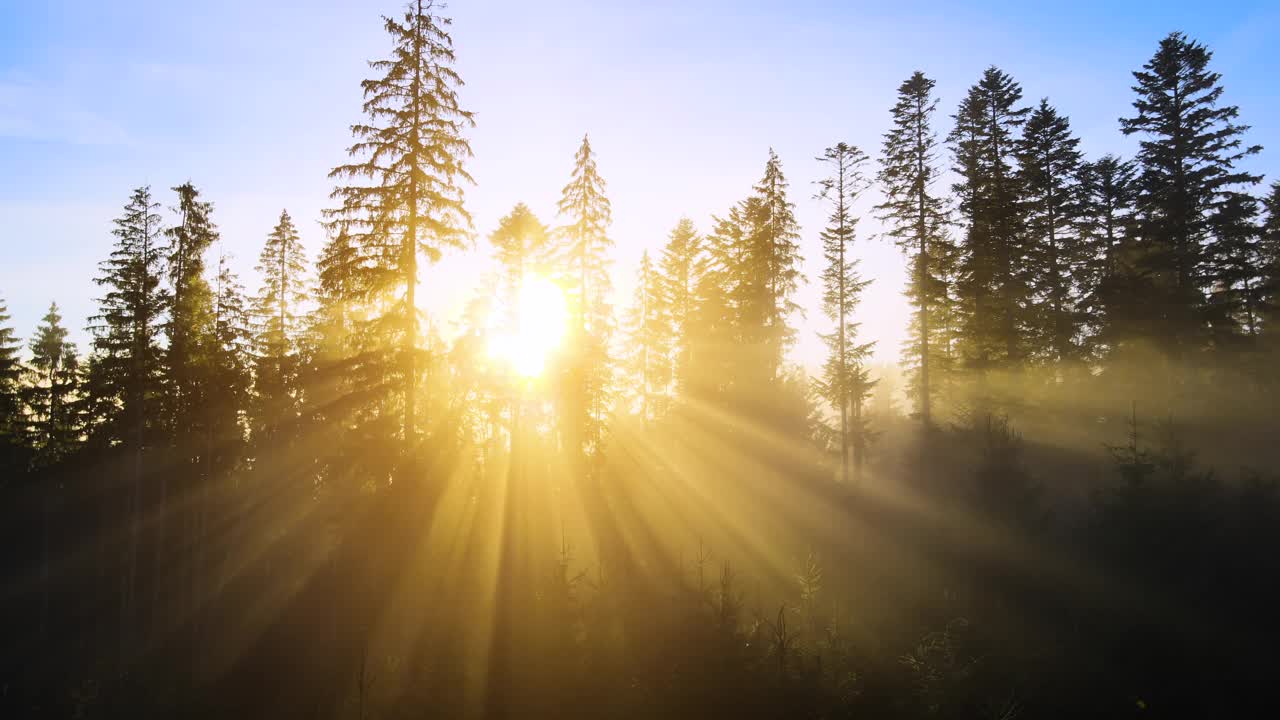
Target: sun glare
540	318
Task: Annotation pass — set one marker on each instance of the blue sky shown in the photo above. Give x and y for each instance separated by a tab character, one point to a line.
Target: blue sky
252	100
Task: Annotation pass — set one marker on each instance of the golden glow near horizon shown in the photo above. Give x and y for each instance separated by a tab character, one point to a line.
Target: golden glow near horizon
539	323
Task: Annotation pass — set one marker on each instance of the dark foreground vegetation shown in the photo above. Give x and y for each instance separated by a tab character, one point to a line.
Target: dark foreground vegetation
949	590
297	503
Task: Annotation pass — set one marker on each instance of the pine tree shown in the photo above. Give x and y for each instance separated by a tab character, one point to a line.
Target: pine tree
583	242
845	382
1269	289
678	277
11	420
916	221
126	372
217	443
336	362
1049	165
745	291
51	390
278	314
581	252
341	281
714	334
229	371
191	303
410	155
649	352
772	268
1233	269
1188	155
127	367
189	386
1108	189
993	287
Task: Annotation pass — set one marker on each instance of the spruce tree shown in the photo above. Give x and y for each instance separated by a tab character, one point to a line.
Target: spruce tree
1108	197
278	325
1049	163
229	371
338	367
126	371
340	286
334	372
1188	154
54	373
581	253
217	444
845	382
189	386
916	220
406	199
678	276
746	288
583	241
715	330
1233	266
1270	250
11	421
190	311
993	285
649	352
772	267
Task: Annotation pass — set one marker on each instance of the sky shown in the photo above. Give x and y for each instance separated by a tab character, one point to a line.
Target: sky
252	101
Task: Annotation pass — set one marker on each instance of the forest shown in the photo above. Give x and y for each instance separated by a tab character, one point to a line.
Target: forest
301	495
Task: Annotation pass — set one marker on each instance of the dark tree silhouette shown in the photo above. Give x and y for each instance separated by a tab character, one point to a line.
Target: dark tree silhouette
845	382
408	171
993	289
1190	146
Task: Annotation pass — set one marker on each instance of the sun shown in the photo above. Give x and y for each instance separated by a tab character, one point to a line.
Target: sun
536	330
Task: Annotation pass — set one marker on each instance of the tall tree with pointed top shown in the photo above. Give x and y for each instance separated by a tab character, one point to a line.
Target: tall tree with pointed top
229	372
581	253
916	220
10	376
1189	151
51	390
678	276
772	266
128	364
1049	163
715	335
1270	250
648	334
190	322
1234	272
994	288
406	199
126	372
845	383
341	284
278	315
189	387
1107	197
583	241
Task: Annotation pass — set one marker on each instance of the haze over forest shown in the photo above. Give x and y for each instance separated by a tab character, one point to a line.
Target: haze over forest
853	394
